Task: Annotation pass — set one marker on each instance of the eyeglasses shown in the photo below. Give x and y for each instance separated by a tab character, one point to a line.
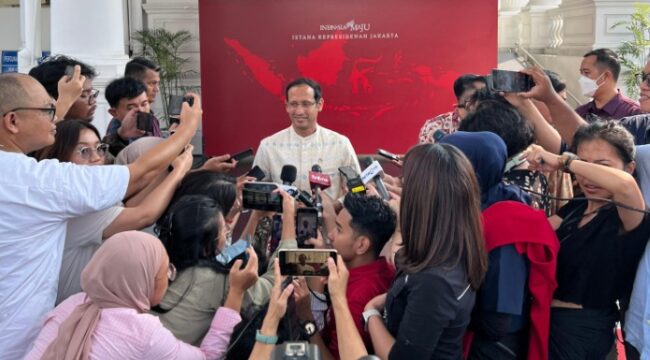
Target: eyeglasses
86	151
89	95
643	78
51	111
171	272
294	105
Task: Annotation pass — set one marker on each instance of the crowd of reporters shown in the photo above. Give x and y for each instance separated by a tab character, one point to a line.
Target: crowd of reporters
516	228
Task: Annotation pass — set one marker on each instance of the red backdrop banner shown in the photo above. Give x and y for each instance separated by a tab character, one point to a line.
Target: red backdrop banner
385	66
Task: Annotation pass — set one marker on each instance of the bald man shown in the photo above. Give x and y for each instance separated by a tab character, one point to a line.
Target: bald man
38	198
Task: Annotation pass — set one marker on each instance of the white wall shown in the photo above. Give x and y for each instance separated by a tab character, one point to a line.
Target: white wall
10	28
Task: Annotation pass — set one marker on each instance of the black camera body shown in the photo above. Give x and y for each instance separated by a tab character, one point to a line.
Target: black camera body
299	350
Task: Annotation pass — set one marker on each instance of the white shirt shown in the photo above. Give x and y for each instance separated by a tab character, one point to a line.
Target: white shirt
83	238
324	147
36	201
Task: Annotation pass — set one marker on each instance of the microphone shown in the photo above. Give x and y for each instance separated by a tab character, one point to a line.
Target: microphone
288	176
373	172
318	180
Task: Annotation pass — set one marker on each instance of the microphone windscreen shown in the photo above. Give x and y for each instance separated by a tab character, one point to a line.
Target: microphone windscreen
288	174
316	168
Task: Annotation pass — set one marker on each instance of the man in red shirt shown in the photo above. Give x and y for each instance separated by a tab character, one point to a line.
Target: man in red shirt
363	227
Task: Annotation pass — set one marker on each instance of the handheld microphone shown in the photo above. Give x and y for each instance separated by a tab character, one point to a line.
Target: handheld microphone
318	180
373	172
288	176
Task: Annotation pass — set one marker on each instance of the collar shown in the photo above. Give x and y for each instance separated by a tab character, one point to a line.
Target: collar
612	105
293	132
378	266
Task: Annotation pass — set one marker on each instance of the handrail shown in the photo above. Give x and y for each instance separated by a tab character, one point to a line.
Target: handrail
530	58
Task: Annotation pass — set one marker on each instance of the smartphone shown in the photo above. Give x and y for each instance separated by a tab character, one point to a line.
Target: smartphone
388	155
306	226
69	71
276	232
257	173
305	262
175	104
230	254
260	196
144	121
242	155
511	81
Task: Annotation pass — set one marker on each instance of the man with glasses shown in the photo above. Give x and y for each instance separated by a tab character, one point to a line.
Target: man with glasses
305	143
50	72
464	88
37	199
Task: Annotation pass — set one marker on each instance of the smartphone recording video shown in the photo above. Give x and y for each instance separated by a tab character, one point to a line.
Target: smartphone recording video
305	262
511	81
175	104
306	226
260	196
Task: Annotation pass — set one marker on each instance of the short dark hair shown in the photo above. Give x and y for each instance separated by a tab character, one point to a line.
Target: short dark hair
611	132
221	188
466	82
318	94
66	139
607	58
189	231
557	83
371	217
123	88
501	118
52	69
138	66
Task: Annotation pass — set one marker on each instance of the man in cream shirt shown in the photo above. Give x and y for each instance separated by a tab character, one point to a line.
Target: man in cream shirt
305	143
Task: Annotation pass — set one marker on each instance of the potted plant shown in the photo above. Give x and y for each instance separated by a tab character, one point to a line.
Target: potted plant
633	53
163	47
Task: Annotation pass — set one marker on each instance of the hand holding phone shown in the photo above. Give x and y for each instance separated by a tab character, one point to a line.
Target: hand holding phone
144	121
306	226
242	155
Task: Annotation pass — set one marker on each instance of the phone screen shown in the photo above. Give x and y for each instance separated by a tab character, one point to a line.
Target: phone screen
260	196
174	105
511	81
233	252
306	226
305	262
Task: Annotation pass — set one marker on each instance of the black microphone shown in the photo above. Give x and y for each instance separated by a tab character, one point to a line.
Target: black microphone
288	174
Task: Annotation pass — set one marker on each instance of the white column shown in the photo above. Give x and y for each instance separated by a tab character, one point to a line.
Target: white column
93	32
30	35
510	25
538	25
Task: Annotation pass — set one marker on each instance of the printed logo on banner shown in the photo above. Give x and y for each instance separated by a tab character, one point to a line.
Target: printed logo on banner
9	61
350	26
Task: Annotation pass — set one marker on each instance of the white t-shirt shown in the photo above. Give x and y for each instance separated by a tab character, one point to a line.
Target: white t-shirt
36	201
83	238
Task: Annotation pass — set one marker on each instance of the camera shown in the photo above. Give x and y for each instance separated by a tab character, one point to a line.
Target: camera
296	351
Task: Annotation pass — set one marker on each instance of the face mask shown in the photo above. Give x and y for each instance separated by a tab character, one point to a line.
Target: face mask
588	86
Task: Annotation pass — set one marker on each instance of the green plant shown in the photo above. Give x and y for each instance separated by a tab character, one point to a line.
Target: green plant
633	53
163	47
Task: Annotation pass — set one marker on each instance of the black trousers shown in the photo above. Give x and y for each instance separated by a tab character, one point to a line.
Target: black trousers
577	334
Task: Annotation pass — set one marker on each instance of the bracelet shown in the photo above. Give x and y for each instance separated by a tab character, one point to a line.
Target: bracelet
567	159
265	339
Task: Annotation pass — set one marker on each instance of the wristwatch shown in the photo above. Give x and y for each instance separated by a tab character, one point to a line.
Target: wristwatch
310	328
566	159
367	315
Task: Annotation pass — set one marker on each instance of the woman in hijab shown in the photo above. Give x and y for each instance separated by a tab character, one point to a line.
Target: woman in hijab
512	312
110	320
488	154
